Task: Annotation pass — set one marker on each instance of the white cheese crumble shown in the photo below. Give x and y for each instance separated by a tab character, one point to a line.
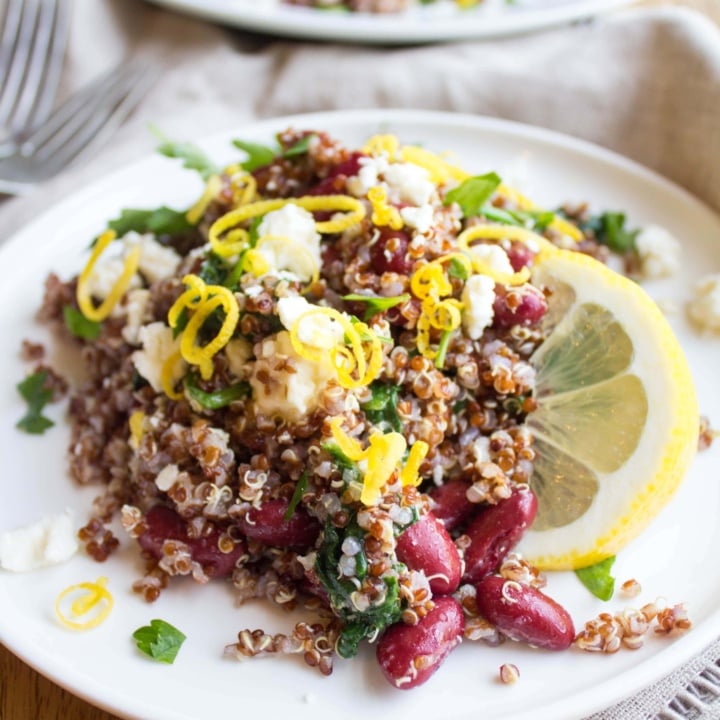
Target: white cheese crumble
238	351
477	299
105	275
406	182
157	262
419	218
158	346
289	241
704	308
493	256
292	392
659	252
319	331
49	541
137	301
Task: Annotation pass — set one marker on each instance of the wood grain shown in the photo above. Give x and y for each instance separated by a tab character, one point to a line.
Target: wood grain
27	695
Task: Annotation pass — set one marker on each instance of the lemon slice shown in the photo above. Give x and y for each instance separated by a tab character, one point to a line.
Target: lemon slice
617	418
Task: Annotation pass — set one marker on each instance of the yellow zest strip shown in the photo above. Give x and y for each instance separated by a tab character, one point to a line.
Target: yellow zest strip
440	170
444	315
517	278
349	446
430	279
96	593
296	248
135	423
409	474
84	300
383	213
524	203
195	294
168	373
382	144
351	364
255	262
243	185
212	188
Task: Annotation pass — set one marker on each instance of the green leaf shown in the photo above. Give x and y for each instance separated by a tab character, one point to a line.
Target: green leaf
300	147
37	396
297	496
217	399
376	304
162	221
381	409
79	325
258	155
615	235
192	156
597	578
457	269
442	349
473	193
159	640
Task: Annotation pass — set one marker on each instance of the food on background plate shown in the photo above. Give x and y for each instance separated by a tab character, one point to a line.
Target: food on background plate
357	379
382	6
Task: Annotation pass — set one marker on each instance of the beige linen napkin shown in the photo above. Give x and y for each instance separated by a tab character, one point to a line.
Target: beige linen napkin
645	83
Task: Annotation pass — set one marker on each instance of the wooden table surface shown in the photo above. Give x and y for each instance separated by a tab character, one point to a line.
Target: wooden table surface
27	695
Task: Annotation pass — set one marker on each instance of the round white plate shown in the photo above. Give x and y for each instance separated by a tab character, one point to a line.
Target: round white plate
674	558
427	23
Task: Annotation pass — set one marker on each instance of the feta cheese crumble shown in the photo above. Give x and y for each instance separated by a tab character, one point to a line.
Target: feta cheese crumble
158	346
49	541
704	308
659	252
477	298
320	331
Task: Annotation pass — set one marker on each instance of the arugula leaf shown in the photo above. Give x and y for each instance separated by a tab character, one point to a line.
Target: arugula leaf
192	156
376	304
473	193
79	325
162	221
597	578
159	640
381	409
297	496
300	147
37	396
217	399
258	155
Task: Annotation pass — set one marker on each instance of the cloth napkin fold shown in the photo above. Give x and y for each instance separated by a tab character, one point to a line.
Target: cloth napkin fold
643	82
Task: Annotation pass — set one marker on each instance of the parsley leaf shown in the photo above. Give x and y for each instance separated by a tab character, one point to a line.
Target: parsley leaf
162	221
300	147
609	229
381	409
376	304
79	325
37	396
192	156
597	578
473	193
296	496
258	155
159	640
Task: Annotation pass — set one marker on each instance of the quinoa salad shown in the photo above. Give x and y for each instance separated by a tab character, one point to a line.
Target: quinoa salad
382	6
315	384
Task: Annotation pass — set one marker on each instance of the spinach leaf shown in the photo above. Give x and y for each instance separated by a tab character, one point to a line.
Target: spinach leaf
162	221
381	409
472	194
258	155
217	399
79	325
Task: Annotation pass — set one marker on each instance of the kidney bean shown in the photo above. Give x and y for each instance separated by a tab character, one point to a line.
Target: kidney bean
524	305
426	545
524	613
389	253
268	525
495	530
334	183
409	654
163	523
450	503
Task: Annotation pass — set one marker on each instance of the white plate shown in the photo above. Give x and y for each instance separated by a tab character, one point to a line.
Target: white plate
429	23
674	558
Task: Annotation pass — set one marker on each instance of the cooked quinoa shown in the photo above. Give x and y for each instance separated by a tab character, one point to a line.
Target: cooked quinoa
303	366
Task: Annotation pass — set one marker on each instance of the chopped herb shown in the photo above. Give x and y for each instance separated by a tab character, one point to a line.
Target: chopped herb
597	578
300	147
381	409
376	304
162	221
297	496
37	396
159	640
473	193
442	349
258	155
460	406
536	220
79	325
457	269
217	399
609	229
192	156
213	270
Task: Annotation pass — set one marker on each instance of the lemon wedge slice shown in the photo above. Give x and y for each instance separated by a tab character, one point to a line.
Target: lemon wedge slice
617	418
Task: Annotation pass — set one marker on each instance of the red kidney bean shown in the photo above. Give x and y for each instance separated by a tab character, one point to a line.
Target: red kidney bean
450	503
524	305
163	523
520	255
409	654
268	525
426	545
389	253
334	183
495	530
524	613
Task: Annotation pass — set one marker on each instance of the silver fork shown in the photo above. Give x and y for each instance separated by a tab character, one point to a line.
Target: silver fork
33	36
84	119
